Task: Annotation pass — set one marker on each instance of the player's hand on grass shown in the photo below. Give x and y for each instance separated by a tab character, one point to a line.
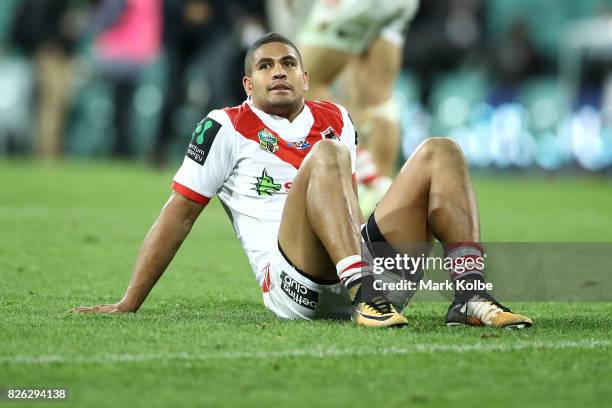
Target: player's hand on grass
109	308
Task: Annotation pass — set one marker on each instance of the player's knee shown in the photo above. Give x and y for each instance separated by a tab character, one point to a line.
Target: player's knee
388	110
329	154
439	148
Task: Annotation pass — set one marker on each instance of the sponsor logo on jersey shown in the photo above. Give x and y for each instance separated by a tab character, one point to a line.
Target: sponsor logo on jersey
300	144
267	141
299	293
265	185
202	139
329	133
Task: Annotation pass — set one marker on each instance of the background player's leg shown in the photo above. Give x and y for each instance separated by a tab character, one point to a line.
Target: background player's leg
376	115
53	67
432	194
321	218
323	66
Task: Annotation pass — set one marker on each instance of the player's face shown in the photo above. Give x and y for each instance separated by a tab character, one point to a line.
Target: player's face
277	82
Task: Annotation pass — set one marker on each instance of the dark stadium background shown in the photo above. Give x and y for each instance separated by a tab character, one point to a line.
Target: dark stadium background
520	84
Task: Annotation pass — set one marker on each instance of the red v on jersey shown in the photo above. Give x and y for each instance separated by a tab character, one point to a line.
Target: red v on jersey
326	115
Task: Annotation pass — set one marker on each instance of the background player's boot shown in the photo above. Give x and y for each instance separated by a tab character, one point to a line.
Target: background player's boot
481	309
378	312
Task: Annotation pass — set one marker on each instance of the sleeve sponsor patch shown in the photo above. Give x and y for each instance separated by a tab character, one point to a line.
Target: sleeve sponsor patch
202	139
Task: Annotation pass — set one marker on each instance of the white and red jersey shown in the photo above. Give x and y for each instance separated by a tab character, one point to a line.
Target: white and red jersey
249	159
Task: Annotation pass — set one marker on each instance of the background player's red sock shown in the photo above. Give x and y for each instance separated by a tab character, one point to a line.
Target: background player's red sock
367	173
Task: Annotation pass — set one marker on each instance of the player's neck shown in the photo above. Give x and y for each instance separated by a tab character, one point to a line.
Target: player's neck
287	112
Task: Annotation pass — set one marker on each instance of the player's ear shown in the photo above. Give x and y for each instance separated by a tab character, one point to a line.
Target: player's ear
305	81
248	85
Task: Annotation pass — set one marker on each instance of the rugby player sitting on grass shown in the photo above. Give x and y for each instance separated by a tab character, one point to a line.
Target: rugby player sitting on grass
283	168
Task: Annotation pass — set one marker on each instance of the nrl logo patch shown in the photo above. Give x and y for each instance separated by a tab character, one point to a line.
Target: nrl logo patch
267	141
329	133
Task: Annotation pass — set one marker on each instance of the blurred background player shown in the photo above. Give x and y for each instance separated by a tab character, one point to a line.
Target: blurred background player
204	45
47	31
362	42
189	28
127	38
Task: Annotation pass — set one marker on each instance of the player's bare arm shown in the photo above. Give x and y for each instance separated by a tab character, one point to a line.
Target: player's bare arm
158	248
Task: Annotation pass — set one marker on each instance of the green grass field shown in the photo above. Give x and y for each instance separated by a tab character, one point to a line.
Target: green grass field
203	338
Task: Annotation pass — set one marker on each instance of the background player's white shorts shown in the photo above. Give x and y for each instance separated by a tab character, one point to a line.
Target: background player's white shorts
352	25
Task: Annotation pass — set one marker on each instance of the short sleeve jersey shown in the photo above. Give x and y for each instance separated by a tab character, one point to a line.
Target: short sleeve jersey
249	159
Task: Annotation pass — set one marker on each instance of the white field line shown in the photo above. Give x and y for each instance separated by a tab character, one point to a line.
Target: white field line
312	353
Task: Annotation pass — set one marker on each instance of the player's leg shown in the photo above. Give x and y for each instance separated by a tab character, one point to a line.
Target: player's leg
377	114
320	231
53	67
369	82
433	195
333	38
320	223
323	66
333	35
